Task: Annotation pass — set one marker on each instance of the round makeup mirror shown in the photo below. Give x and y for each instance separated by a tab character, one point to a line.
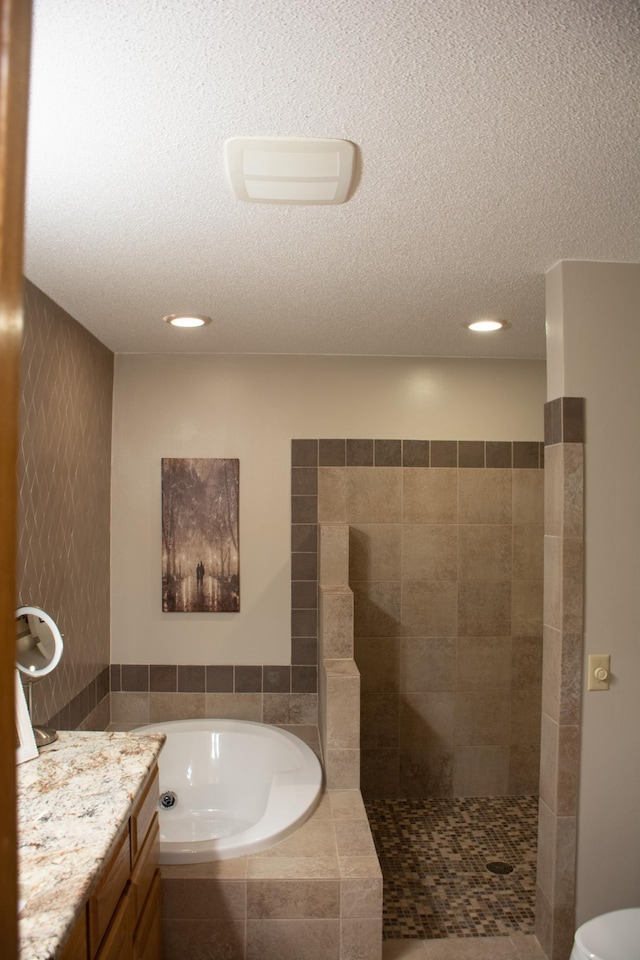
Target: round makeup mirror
38	652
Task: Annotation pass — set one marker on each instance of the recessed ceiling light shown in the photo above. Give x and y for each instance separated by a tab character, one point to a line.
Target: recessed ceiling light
486	326
186	320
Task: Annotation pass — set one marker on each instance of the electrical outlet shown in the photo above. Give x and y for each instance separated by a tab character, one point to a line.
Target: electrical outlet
599	671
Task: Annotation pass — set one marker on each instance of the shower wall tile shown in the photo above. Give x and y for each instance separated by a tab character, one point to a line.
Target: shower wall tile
484	608
528	496
429	551
374	495
481	771
485	552
481	718
429	496
562	674
428	608
332	495
445	565
425	771
428	719
378	660
484	496
64	473
483	663
377	607
427	664
375	551
528	552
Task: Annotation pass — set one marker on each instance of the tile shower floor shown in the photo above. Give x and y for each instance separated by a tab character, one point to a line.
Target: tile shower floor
434	856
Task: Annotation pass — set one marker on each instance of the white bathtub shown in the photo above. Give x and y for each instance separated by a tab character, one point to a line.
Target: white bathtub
240	787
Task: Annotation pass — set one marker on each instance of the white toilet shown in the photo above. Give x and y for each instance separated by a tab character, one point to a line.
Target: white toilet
612	936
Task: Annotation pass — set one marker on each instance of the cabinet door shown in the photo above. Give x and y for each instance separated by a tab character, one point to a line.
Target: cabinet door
147	944
118	943
106	895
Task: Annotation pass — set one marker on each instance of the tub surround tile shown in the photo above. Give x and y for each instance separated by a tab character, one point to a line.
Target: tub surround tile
67	831
163	678
203	898
213	939
290	868
292	899
191	679
234	706
471	453
219	679
332	495
498	454
135	676
176	706
281	939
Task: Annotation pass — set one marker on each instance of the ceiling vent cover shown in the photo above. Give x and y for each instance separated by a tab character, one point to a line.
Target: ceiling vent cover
290	169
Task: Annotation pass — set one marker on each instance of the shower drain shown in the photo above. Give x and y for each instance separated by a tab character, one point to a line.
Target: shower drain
499	866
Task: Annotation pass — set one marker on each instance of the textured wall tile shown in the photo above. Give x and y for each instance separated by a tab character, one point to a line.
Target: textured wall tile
429	551
426	771
378	659
332	495
64	473
483	663
428	664
377	608
481	719
528	496
429	496
485	496
374	495
481	771
485	552
375	551
484	608
427	719
428	608
528	552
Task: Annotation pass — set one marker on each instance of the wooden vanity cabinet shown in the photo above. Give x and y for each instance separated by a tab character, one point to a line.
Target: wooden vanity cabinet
123	917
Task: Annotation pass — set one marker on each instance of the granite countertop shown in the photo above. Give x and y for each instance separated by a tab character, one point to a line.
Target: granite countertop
73	802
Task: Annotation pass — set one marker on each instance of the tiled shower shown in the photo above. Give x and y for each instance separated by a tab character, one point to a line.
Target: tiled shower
446	550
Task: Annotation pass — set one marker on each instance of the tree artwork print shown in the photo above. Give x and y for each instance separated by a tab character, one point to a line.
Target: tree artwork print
200	568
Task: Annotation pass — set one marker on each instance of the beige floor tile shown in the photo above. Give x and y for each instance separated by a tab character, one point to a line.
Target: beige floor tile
470	948
403	950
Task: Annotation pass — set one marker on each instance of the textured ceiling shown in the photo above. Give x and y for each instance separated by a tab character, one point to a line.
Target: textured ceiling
495	137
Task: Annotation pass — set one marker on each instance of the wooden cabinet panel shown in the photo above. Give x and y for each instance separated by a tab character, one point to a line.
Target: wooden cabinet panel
123	917
76	946
104	899
145	867
147	942
143	815
118	943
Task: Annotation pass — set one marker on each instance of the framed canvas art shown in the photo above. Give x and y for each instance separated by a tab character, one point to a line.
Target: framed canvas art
200	560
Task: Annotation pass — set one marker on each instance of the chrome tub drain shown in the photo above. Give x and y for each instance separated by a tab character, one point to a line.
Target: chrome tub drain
168	799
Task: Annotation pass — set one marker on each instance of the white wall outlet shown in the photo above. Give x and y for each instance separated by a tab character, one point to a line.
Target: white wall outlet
599	671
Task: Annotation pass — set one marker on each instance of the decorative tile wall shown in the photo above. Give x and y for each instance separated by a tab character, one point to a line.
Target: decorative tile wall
446	568
561	689
64	506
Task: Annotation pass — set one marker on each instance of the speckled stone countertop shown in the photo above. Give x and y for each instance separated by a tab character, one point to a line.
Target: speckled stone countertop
73	802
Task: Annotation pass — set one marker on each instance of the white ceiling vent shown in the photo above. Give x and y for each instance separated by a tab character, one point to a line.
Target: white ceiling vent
290	169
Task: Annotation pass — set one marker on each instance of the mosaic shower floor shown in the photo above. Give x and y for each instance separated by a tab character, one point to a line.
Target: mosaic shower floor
434	856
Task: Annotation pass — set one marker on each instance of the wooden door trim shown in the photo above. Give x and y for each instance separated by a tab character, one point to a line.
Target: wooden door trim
15	41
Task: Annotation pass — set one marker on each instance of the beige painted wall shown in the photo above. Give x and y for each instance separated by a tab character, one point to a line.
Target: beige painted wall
251	407
594	312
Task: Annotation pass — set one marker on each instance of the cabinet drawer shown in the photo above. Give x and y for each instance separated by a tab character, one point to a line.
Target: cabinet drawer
143	815
148	936
76	946
104	898
118	943
145	867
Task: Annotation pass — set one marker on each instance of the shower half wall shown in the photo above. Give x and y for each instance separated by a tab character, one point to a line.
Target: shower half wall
446	543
